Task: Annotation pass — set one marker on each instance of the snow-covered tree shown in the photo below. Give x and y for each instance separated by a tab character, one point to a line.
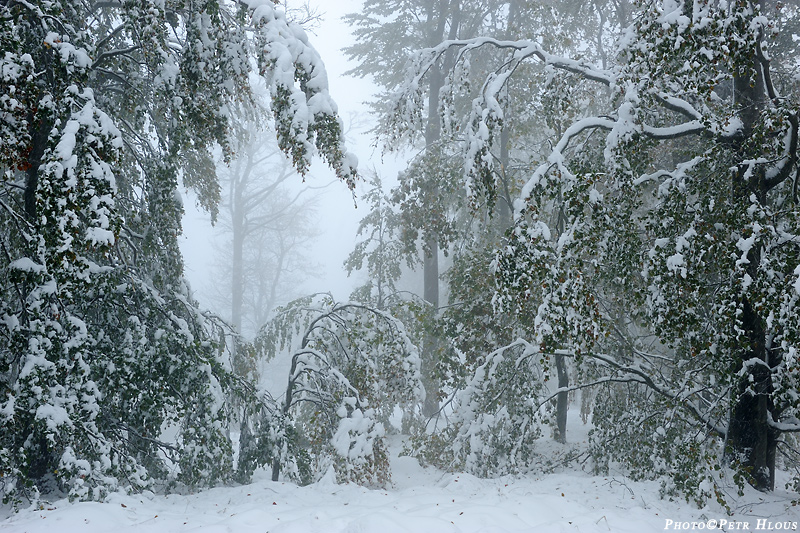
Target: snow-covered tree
108	372
386	32
382	252
673	269
351	366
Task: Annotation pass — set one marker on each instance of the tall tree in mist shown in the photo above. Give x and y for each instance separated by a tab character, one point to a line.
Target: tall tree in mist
267	218
386	32
382	48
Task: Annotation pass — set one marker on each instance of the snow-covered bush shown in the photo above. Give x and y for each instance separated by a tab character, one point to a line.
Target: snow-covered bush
360	451
351	365
499	414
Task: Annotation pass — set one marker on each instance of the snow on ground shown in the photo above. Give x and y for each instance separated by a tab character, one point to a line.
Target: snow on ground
420	500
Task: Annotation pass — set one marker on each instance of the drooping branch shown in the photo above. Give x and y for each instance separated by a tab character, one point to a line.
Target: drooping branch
113	53
631	374
662	391
783	169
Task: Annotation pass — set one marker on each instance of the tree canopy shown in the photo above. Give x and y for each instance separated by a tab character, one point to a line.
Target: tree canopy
620	197
658	239
109	373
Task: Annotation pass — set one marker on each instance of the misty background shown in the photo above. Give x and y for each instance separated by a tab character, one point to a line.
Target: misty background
328	231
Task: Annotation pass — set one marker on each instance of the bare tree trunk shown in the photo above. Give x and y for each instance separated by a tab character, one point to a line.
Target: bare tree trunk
562	400
750	437
238	185
430	265
504	203
430	347
237	276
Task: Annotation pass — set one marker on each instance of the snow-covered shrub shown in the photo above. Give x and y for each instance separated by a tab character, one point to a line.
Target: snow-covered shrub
351	365
360	451
496	418
499	415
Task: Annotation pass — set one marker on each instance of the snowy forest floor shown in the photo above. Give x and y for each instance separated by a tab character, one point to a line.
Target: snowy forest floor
419	500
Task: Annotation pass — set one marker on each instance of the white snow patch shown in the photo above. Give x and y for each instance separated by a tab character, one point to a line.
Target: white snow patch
421	500
26	264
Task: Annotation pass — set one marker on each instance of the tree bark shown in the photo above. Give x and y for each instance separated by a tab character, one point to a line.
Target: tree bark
504	203
430	347
751	440
562	400
438	13
237	276
38	144
239	181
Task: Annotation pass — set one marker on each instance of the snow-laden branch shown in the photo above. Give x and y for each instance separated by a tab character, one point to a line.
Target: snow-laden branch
679	105
352	363
628	373
523	50
623	124
306	117
677	396
792	426
556	157
113	53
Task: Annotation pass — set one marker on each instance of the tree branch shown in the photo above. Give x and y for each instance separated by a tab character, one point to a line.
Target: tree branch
113	53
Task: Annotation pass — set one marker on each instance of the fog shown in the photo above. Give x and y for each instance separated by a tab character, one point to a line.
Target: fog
338	209
586	265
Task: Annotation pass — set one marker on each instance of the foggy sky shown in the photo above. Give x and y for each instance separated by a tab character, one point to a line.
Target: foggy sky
337	215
